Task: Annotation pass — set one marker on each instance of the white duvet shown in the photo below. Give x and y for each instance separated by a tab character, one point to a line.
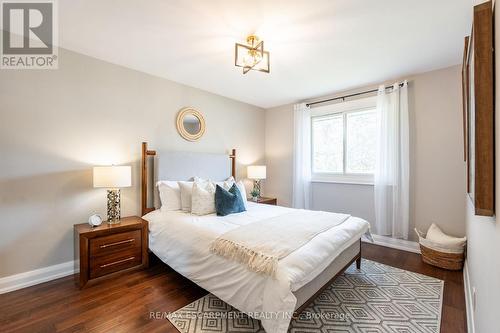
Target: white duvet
182	241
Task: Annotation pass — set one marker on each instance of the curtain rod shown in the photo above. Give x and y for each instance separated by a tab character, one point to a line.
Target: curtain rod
351	95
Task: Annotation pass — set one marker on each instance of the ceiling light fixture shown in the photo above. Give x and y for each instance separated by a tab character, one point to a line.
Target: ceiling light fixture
252	56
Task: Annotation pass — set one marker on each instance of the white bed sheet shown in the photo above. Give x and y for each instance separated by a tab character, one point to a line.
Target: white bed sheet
182	241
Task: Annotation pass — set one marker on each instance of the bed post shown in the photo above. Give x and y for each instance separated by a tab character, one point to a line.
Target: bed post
144	178
233	163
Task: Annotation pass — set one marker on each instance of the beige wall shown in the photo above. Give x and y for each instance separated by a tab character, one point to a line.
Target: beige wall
279	158
55	125
436	149
483	239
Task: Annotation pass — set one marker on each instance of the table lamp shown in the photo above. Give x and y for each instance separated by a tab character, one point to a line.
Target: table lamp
257	173
113	178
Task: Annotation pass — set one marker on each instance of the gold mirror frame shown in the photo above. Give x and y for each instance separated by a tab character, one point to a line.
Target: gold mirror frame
180	124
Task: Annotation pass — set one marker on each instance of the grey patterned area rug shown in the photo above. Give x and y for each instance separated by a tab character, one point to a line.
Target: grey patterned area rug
378	298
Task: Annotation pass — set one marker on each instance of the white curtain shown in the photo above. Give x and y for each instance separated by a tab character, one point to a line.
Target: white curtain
301	156
392	170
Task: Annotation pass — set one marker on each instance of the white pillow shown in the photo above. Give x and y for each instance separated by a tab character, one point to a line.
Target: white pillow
186	189
243	192
225	184
436	235
242	189
203	198
199	180
170	195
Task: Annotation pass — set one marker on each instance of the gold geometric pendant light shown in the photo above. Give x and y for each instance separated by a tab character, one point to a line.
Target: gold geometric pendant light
251	56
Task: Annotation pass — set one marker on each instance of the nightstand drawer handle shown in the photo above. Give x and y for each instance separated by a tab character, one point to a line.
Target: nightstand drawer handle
103	246
117	262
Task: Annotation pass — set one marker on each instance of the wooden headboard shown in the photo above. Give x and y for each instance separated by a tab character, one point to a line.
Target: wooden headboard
145	177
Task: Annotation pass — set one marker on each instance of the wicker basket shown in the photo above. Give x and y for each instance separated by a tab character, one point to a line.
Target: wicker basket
436	255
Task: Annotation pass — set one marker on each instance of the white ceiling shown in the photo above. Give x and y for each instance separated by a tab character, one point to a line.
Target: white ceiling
317	46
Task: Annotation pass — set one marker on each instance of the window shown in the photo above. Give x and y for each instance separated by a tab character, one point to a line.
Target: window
344	142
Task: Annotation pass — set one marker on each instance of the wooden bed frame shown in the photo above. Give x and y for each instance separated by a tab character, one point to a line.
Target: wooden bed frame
144	175
145	209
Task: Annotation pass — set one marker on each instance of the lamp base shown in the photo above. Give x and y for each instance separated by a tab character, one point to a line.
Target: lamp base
256	190
114	206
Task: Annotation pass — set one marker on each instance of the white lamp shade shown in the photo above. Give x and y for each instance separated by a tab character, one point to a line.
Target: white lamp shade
113	176
256	172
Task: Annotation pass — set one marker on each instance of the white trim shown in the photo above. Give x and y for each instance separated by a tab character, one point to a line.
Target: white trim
468	300
340	181
342	109
395	243
26	279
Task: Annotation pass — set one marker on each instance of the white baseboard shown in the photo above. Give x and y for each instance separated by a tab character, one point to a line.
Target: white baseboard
26	279
395	243
468	299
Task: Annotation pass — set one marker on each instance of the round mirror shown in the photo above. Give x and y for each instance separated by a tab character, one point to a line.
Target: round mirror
190	124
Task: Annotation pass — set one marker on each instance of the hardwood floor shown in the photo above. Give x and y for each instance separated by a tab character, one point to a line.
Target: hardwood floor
124	304
453	319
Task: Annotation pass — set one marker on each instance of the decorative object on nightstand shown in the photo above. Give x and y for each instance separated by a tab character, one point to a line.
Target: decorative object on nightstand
95	220
257	173
113	178
265	200
110	248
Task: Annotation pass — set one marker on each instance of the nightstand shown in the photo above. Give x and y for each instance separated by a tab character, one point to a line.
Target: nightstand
265	200
110	249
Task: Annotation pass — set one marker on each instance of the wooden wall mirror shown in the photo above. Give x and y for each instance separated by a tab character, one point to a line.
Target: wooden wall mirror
190	124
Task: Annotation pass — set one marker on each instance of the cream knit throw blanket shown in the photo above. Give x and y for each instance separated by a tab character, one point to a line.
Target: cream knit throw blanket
259	245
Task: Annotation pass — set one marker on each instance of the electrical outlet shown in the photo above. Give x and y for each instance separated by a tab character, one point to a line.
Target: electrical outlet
474	298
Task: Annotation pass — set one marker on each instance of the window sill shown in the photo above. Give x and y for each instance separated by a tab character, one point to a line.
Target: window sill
345	182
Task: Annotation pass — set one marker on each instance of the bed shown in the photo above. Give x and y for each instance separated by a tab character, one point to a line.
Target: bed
182	241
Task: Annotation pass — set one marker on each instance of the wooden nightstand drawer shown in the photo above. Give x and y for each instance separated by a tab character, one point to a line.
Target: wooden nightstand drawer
130	240
114	262
110	249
